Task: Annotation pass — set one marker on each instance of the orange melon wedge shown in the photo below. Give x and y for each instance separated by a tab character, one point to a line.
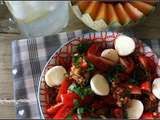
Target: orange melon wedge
102	12
111	15
92	9
143	7
152	2
83	5
133	12
121	13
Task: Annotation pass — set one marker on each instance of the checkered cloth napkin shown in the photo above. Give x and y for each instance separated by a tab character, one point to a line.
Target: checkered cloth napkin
28	59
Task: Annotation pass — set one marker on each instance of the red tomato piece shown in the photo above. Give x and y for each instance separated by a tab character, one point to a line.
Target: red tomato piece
128	63
63	112
55	108
134	89
63	88
122	77
147	63
86	100
98	105
118	113
146	86
148	115
68	99
84	65
93	54
75	117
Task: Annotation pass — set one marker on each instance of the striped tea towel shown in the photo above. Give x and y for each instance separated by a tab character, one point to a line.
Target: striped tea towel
28	59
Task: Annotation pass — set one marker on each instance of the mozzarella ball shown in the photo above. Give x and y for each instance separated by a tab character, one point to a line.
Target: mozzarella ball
99	85
156	87
110	54
55	76
124	45
135	109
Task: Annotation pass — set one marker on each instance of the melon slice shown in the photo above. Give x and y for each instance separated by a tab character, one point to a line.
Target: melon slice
100	15
111	16
92	9
83	5
133	12
151	2
100	20
143	7
102	12
122	15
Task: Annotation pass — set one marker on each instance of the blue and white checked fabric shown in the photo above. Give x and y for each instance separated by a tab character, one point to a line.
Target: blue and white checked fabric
29	56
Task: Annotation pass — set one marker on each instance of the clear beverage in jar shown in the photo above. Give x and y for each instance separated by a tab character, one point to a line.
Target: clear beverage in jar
40	18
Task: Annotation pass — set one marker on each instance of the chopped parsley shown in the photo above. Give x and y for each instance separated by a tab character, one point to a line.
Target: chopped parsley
76	60
80	111
77	63
139	74
76	103
83	47
81	91
90	65
111	75
132	81
69	117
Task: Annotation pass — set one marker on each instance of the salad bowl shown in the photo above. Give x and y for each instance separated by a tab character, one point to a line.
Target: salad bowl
64	55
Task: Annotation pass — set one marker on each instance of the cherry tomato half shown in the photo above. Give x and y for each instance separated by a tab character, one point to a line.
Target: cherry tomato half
93	54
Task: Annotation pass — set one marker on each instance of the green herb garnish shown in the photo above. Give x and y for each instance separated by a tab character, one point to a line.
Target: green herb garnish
81	91
76	60
80	110
139	74
132	81
111	75
90	66
69	117
76	103
83	47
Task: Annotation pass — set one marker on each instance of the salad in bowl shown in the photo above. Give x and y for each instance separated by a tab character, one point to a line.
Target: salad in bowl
103	75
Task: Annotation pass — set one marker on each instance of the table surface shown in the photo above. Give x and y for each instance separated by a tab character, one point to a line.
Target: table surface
149	29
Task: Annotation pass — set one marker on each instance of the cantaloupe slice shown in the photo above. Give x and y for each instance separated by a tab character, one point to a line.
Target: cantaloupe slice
133	12
101	12
83	5
92	9
121	13
100	20
151	2
111	16
143	7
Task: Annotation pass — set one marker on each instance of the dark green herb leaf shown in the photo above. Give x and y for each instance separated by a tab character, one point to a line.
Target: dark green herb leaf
125	111
81	91
132	81
139	74
90	66
76	103
80	110
119	68
83	47
69	117
113	71
76	60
